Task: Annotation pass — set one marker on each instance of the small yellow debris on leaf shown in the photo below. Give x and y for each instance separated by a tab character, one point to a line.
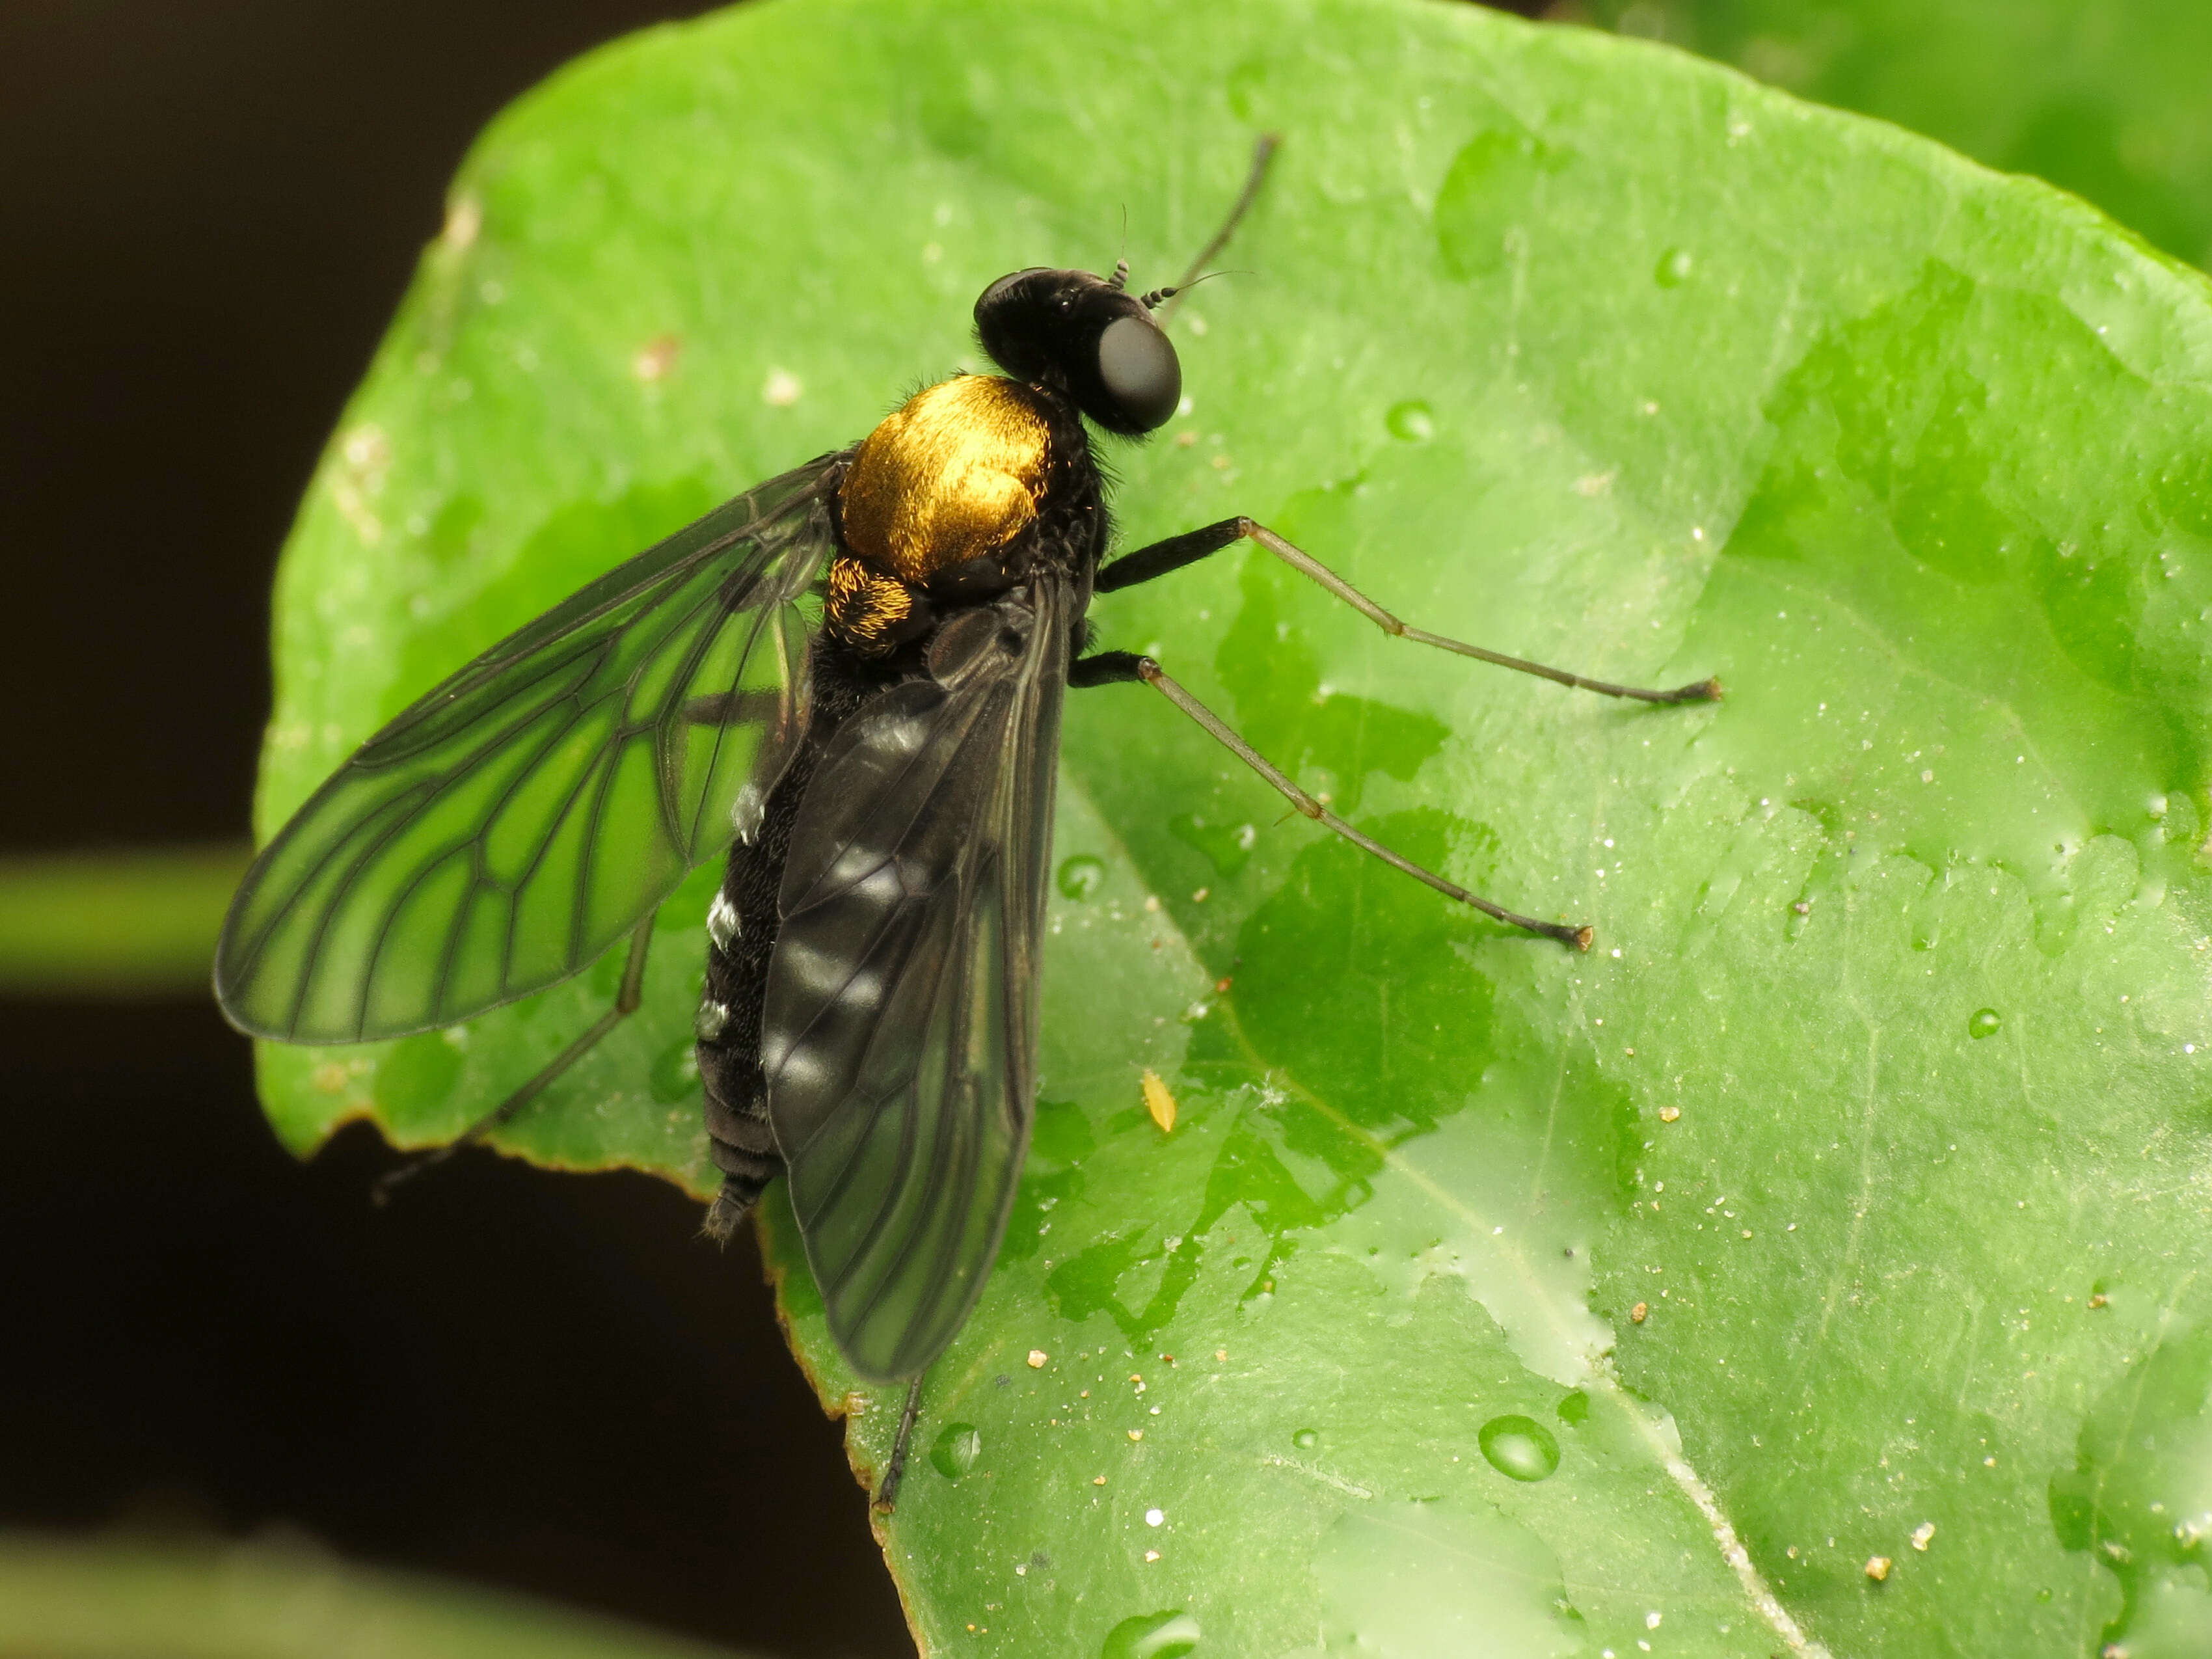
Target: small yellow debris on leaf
1097	1479
657	360
1037	1357
1877	1567
1921	1534
1136	1434
1639	1313
1158	1101
1669	1114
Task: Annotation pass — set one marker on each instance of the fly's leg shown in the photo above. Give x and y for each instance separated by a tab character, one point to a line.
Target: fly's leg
1118	667
1176	551
626	1002
894	1471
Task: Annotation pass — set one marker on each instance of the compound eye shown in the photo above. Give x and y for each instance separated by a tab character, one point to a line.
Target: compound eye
1139	371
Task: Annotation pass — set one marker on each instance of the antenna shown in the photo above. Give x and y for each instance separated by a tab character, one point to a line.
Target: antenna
1263	153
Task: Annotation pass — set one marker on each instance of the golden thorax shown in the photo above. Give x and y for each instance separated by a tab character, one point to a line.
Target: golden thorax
958	470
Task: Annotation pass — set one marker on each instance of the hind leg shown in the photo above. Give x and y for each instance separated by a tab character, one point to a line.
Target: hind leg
626	1001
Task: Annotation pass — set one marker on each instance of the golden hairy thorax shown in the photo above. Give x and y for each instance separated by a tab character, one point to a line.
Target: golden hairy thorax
958	470
868	609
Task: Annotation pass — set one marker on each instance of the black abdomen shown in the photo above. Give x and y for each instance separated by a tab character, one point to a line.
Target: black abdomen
1067	534
741	930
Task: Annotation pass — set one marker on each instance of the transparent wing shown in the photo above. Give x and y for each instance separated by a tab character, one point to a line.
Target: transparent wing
514	822
899	1039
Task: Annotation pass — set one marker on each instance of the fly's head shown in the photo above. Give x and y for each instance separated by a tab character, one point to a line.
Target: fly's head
1086	337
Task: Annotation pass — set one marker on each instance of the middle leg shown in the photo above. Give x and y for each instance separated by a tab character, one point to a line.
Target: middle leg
1118	667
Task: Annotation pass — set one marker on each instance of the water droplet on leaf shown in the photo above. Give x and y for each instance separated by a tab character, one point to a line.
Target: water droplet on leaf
415	1077
956	1449
1519	1448
1167	1635
1410	422
1081	876
675	1074
1984	1023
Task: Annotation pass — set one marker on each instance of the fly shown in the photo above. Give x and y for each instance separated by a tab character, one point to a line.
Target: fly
850	677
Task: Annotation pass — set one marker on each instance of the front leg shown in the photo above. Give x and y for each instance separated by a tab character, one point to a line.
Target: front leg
1191	546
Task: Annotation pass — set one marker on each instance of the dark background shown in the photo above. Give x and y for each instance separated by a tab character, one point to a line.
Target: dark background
209	209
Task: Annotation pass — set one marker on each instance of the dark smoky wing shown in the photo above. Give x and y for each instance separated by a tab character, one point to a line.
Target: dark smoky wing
518	820
899	1039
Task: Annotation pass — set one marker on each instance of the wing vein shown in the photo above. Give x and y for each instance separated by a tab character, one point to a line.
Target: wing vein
900	1014
350	925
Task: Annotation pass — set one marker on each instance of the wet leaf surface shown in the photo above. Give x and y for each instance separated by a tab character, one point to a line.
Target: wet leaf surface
1849	1200
2105	98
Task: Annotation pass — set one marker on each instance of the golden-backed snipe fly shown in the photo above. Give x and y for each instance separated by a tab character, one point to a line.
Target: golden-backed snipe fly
850	677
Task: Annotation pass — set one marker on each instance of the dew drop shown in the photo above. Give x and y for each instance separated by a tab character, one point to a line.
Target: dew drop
956	1449
1167	1635
415	1075
1410	422
1674	268
675	1074
1082	876
1519	1448
1306	1439
1574	1409
1983	1022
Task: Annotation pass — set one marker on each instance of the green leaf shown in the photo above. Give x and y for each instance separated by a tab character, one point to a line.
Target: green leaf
2105	98
126	1600
1850	1197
